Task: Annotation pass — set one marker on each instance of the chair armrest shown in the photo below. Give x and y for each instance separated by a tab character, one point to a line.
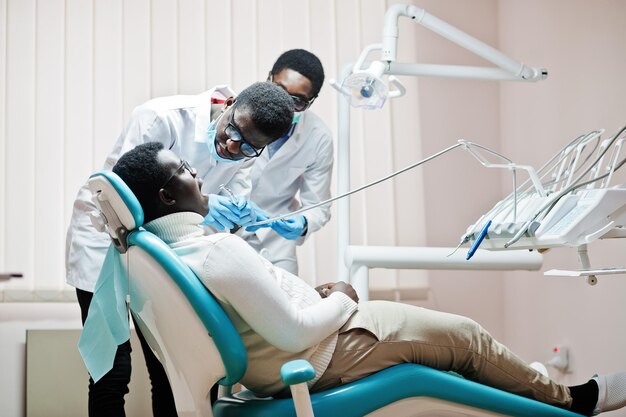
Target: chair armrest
296	374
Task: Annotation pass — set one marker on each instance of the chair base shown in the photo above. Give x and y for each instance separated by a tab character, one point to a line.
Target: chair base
426	406
399	391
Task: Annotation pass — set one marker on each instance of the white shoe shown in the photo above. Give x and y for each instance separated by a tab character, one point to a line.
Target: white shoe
611	392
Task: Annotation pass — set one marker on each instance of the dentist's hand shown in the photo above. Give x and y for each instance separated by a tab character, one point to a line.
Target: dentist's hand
260	216
223	214
290	228
247	211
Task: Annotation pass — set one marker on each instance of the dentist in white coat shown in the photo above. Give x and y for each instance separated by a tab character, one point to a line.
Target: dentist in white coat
296	170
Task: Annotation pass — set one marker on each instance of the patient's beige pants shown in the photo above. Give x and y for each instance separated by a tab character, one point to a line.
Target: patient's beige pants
382	334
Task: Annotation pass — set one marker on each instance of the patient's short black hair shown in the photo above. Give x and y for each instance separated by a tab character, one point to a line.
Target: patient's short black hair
140	169
304	62
269	106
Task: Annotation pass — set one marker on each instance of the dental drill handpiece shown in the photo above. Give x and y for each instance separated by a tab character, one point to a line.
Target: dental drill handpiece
225	190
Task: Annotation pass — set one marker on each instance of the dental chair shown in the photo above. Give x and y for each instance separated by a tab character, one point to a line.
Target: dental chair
199	347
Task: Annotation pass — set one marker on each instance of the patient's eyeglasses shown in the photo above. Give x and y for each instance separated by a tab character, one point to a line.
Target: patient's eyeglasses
183	165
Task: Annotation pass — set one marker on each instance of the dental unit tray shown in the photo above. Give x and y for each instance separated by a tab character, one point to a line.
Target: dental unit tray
575	219
568	202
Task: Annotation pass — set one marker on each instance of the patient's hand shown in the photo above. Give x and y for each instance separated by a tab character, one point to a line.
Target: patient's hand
324	289
344	288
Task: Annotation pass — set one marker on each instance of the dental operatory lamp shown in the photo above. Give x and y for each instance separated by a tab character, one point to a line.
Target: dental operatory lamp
365	88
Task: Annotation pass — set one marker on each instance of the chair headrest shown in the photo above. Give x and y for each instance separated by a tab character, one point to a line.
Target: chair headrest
119	210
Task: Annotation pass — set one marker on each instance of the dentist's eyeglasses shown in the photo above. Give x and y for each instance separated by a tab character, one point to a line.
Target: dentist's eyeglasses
245	148
184	165
299	104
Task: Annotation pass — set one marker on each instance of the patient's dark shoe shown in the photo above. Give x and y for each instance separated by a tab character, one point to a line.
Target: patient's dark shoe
612	392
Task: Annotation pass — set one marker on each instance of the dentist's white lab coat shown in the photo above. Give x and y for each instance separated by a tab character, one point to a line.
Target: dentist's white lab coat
180	123
303	164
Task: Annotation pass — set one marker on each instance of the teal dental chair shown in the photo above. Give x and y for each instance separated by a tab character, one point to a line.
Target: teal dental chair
198	346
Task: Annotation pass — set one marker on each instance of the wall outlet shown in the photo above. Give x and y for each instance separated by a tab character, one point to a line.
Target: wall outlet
560	358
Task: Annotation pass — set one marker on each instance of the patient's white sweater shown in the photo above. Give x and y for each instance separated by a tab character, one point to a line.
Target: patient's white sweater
278	315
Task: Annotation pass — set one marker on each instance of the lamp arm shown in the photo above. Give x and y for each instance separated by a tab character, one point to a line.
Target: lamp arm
334	84
400	89
390	30
390	40
358	65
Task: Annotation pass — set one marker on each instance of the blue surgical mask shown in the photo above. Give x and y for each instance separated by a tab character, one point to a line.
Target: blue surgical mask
212	134
296	117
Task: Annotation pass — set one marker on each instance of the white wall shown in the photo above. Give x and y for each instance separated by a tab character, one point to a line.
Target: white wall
457	190
582	45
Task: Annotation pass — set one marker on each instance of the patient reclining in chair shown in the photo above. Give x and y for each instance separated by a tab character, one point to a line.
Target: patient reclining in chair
280	317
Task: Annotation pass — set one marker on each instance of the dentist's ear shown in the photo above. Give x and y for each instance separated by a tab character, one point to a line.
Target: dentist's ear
166	198
228	102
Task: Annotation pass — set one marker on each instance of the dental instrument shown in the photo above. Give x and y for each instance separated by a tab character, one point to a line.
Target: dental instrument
223	189
361	188
574	206
478	241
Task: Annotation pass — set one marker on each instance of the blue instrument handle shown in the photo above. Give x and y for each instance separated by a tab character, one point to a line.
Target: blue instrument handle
478	241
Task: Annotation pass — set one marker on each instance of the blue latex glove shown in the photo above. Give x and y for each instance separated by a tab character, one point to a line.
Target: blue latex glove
290	228
247	211
223	214
260	215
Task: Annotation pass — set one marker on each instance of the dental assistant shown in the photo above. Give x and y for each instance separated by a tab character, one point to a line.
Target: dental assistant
296	170
219	133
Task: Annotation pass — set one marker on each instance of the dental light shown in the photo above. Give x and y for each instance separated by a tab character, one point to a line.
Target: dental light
364	87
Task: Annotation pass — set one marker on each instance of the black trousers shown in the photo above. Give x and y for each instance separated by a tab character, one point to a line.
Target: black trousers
106	397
